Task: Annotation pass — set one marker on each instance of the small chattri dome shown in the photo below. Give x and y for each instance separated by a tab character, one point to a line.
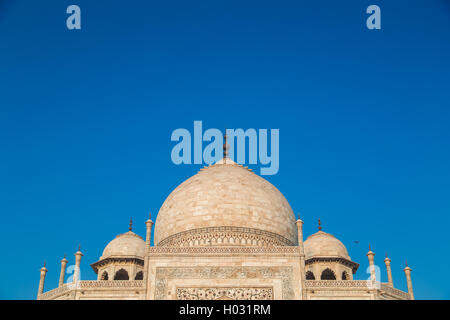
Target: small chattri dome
126	244
322	244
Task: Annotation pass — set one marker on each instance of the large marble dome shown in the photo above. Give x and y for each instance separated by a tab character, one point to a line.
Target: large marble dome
225	204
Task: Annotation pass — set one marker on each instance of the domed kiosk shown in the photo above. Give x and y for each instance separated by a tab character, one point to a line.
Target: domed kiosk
122	258
326	258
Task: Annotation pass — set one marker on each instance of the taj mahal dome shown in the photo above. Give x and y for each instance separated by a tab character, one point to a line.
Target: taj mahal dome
225	233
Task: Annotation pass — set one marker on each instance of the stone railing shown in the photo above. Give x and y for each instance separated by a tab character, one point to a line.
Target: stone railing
56	292
395	292
67	287
367	284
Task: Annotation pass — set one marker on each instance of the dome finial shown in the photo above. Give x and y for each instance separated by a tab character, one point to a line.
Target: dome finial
320	225
406	263
225	146
131	224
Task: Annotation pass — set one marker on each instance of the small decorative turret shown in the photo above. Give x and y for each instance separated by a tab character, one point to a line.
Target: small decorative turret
299	224
63	271
387	262
76	274
408	281
42	281
370	256
149	224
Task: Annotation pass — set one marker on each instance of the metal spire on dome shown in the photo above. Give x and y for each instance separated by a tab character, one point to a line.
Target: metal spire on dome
131	224
225	146
320	225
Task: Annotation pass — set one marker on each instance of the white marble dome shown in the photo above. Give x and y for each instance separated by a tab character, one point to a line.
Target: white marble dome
226	199
126	244
322	244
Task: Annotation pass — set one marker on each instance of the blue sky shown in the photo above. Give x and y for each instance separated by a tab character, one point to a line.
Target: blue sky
86	118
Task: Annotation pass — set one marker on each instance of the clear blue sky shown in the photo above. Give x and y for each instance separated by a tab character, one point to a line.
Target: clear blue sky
86	118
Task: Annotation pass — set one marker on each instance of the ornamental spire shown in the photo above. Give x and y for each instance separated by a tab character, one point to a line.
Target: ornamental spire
320	225
225	146
131	224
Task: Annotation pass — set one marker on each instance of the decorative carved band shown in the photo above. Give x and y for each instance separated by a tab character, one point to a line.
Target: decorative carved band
221	251
112	284
336	284
263	293
225	236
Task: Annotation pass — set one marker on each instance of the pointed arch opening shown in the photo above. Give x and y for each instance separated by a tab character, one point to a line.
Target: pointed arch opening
122	274
328	274
139	276
345	276
310	275
104	276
